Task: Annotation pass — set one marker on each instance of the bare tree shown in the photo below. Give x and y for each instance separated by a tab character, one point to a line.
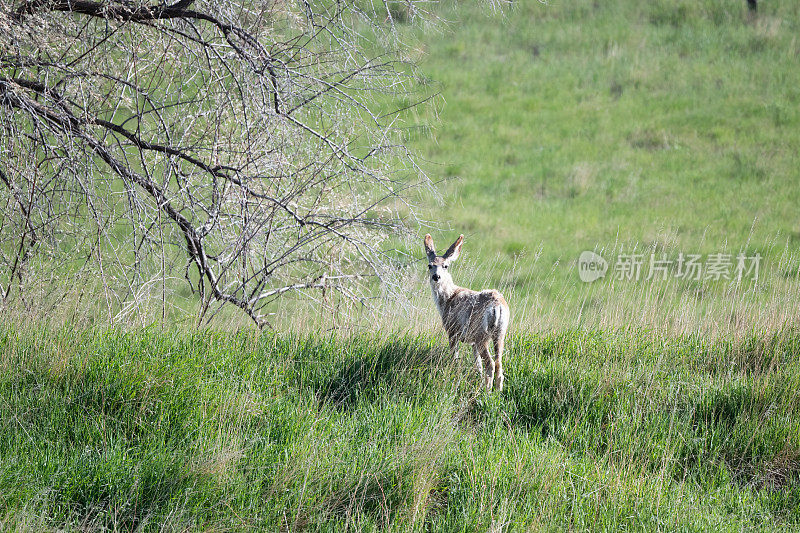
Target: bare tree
245	147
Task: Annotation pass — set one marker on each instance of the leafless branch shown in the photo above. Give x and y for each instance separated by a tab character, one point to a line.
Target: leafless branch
242	147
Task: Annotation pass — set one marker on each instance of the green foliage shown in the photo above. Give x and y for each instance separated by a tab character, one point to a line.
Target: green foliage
595	430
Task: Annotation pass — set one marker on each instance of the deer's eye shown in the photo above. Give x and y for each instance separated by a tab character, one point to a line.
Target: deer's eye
445	266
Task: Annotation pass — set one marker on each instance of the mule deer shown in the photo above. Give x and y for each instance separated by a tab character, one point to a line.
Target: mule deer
468	316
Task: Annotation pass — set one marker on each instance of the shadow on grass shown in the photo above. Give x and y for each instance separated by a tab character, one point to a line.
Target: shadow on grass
112	493
400	368
736	433
550	403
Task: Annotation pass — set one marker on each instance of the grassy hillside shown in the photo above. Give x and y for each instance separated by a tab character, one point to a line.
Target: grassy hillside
598	431
664	126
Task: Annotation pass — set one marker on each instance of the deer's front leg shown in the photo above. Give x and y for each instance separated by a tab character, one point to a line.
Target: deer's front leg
454	346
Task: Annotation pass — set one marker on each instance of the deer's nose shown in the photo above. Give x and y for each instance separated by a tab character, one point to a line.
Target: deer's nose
435	277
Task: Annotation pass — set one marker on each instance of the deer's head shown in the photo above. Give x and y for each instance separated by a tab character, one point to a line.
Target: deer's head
438	265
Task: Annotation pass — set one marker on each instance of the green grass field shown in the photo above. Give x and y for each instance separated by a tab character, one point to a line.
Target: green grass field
665	126
171	431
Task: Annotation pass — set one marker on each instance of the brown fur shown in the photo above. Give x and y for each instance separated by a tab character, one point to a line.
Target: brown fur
476	318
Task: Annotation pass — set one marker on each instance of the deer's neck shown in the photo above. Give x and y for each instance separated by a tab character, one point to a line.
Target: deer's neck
442	292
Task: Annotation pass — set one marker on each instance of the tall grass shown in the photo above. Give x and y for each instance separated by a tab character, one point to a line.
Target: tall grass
168	430
540	302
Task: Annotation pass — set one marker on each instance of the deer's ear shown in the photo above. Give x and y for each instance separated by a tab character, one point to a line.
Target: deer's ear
429	249
454	250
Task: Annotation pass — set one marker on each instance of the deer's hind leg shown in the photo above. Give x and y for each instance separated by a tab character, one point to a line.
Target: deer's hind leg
488	364
499	346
